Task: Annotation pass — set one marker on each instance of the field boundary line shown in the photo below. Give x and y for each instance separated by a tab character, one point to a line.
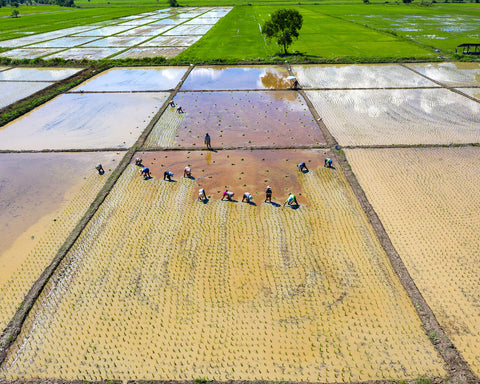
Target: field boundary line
13	329
452	89
456	366
71	150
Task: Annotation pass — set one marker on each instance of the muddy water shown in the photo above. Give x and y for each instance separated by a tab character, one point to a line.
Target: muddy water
35	185
86	53
13	91
239	171
244	77
134	79
358	76
451	74
38	74
246	119
83	121
151	52
28	53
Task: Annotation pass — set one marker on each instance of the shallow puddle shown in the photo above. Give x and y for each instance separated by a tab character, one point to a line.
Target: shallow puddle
38	74
237	119
11	92
83	121
239	171
160	41
451	74
238	77
134	79
400	116
358	76
117	41
85	53
26	53
139	52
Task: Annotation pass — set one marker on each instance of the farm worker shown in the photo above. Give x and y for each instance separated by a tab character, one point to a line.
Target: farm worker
268	194
187	172
180	110
328	163
138	161
172	104
100	169
295	84
247	196
202	196
302	166
207	141
228	195
145	172
167	175
291	200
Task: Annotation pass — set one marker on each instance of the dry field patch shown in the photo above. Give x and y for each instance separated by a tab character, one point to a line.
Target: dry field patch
41	202
162	286
428	201
398	116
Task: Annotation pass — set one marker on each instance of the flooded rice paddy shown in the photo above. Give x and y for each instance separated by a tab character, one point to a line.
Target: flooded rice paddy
359	76
235	119
139	52
473	92
41	202
134	79
37	74
159	41
428	200
451	74
402	116
124	35
10	92
162	286
83	121
239	77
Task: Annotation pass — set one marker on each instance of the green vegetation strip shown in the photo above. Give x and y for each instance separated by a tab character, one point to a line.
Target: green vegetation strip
458	369
14	328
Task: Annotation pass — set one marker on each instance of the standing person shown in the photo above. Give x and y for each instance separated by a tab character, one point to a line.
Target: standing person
187	172
247	196
207	141
302	166
167	175
100	169
291	200
227	194
145	172
328	163
268	194
202	196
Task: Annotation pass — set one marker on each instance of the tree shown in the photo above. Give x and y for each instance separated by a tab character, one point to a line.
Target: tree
283	27
173	3
15	13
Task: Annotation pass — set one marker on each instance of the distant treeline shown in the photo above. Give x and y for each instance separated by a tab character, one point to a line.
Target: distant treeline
16	3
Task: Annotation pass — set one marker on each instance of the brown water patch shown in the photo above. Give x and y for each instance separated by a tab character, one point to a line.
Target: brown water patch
239	171
238	77
277	118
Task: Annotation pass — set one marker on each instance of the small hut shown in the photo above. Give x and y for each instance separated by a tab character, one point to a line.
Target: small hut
469	48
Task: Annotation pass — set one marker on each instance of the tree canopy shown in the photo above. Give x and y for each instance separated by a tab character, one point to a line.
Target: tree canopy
283	26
